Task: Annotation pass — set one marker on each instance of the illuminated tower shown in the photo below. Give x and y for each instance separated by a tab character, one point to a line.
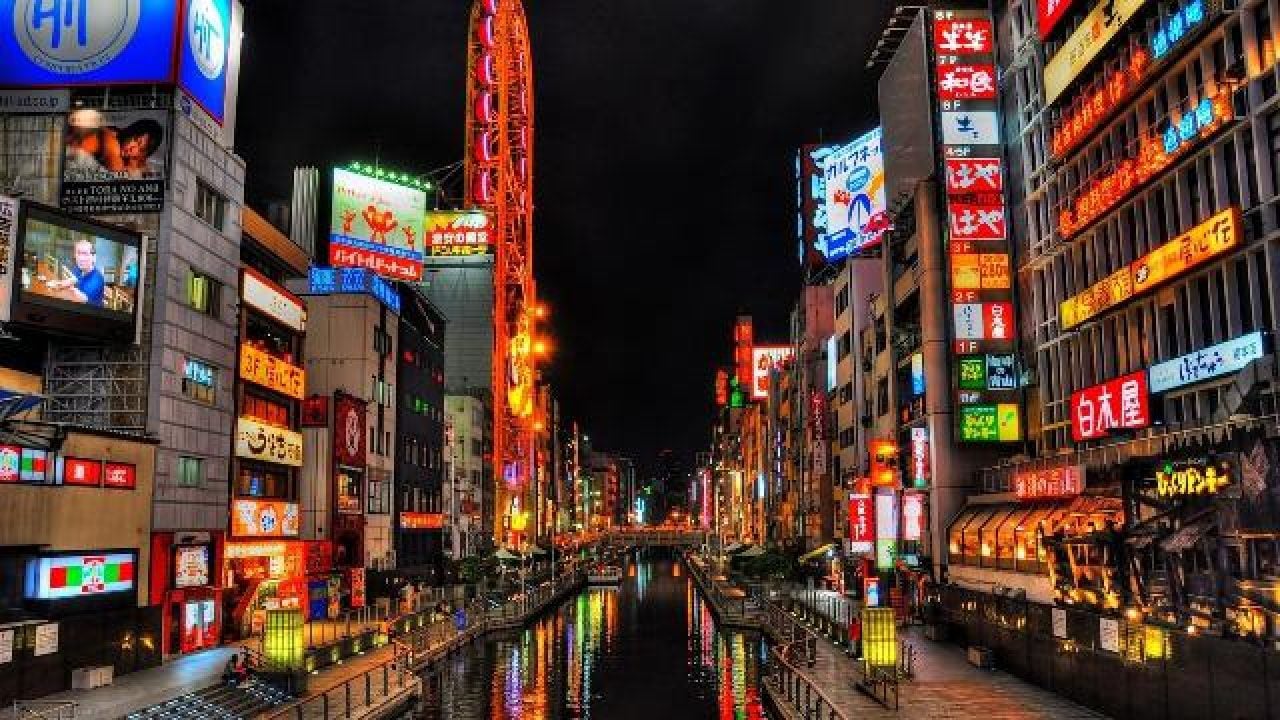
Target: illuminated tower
499	179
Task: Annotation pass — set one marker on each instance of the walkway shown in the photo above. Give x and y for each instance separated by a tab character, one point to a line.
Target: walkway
142	689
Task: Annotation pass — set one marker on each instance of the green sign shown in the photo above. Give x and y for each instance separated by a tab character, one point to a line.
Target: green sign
990	423
973	372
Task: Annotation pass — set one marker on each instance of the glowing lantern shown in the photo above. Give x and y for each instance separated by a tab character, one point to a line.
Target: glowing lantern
282	643
879	638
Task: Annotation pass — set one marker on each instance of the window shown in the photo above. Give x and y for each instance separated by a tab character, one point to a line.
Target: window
199	381
379	493
203	293
211	206
882	396
271	413
190	471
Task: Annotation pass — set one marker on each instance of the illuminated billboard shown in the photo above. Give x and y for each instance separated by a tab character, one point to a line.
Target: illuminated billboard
75	276
202	68
105	42
766	359
1123	403
1082	46
1212	362
62	577
1049	13
376	222
114	161
459	232
264	518
853	179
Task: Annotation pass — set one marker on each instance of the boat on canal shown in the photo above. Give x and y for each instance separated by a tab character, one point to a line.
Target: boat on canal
604	575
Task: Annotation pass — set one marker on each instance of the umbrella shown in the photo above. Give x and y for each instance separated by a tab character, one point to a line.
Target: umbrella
753	551
733	548
505	554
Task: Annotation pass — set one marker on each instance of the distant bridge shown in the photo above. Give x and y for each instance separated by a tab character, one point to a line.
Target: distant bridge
655	537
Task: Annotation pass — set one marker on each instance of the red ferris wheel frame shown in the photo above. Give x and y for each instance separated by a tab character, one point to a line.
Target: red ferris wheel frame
499	179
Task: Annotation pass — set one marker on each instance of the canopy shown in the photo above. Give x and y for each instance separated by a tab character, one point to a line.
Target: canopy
505	554
753	551
734	548
814	553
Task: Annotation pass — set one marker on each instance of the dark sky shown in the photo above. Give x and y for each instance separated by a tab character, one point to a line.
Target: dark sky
664	179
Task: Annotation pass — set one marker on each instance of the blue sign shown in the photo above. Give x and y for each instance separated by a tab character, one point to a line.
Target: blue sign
86	42
354	281
206	32
1176	27
1211	362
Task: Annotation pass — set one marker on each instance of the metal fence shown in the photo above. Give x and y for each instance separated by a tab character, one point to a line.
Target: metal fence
796	647
355	695
1135	670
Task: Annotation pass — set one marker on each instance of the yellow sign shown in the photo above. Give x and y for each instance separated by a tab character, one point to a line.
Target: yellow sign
260	368
260	441
980	271
1192	479
879	638
1194	247
1007	426
1101	25
1204	241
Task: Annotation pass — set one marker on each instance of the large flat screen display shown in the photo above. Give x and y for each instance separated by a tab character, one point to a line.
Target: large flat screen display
77	277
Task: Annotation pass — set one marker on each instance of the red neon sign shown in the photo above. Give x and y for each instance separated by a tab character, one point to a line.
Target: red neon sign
976	222
862	519
1055	482
1096	103
968	36
967	176
966	82
1120	404
1105	193
1049	13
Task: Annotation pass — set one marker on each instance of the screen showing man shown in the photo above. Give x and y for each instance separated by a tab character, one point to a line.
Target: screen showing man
66	263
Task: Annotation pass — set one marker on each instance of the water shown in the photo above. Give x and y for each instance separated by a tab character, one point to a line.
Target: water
649	650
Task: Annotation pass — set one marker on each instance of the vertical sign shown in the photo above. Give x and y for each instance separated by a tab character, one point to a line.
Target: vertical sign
977	243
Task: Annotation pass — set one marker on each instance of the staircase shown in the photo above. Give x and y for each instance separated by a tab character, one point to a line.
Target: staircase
220	702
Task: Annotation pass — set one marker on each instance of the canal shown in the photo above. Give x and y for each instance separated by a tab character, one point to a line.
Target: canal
648	648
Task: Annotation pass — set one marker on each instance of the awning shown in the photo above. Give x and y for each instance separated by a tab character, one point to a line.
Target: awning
814	553
753	551
505	554
734	548
1091	504
1185	537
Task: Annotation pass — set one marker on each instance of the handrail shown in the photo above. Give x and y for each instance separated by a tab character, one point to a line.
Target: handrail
389	670
785	674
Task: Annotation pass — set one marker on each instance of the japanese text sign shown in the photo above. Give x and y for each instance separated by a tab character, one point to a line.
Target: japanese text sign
1123	403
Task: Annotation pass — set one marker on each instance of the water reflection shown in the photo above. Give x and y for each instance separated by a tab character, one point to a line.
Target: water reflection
647	649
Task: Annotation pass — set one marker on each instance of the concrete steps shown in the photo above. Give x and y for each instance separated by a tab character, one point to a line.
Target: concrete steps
220	702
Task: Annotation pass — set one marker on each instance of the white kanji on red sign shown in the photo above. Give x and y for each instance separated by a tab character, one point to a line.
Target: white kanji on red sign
974	175
966	82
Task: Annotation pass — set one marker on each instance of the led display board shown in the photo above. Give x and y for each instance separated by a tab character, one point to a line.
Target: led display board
356	281
1123	403
75	276
853	180
264	518
202	66
65	576
1082	46
1211	362
64	43
979	267
1202	243
259	441
459	232
764	360
376	222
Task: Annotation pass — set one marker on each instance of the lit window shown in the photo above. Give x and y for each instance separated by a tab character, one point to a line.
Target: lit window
190	471
203	293
211	206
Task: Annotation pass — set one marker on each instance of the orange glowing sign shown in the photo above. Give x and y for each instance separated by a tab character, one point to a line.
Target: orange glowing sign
264	518
262	369
421	521
1096	102
980	271
1155	154
1198	245
884	462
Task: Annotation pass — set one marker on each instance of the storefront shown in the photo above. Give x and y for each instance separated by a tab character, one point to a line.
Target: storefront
263	575
184	583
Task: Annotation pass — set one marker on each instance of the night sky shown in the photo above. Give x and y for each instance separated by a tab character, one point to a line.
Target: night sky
664	181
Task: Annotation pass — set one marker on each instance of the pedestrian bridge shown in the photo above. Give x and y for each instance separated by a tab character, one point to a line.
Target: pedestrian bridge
646	537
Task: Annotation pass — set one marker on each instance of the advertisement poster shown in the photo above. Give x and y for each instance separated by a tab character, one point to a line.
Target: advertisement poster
1059	616
348	431
378	225
1109	634
459	232
6	646
191	566
115	161
264	518
46	639
856	218
71	576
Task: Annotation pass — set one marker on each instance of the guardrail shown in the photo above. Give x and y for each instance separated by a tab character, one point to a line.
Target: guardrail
796	645
362	692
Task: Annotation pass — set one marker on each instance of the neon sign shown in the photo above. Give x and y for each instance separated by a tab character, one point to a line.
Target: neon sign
1055	482
1155	154
1211	362
1123	403
1096	104
1182	479
1176	27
